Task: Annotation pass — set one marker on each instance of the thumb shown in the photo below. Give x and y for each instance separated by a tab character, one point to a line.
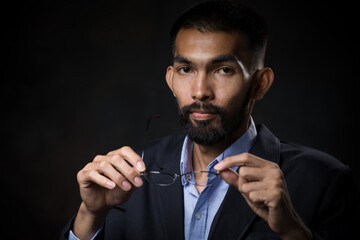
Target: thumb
230	176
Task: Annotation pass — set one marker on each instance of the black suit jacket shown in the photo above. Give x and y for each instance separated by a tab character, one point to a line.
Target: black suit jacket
322	190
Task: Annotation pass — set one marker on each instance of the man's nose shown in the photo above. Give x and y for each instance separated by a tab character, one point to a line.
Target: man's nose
202	89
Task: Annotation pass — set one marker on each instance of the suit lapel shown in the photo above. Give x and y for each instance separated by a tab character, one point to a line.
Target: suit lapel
170	199
234	216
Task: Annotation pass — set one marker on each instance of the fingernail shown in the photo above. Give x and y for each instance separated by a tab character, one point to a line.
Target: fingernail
140	166
126	185
138	182
110	184
218	166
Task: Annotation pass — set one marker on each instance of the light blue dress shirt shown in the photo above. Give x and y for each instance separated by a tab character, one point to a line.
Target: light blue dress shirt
73	237
200	209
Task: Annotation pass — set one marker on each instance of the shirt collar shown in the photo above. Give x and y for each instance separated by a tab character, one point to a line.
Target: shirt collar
241	145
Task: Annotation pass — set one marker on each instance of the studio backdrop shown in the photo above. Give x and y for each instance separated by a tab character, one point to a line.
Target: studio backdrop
82	77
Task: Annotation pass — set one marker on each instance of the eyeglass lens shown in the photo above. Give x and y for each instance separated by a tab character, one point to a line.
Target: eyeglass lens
161	179
200	178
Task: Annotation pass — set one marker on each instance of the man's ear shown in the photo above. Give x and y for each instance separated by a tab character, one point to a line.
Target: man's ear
169	78
263	79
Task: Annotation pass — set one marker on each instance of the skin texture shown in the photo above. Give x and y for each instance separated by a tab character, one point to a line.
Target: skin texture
105	182
209	67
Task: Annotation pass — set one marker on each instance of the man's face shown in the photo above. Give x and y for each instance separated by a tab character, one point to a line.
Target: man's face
211	83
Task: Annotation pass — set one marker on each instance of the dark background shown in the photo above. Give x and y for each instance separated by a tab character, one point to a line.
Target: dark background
81	77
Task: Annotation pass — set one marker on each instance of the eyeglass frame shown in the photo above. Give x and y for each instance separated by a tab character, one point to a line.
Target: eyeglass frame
174	175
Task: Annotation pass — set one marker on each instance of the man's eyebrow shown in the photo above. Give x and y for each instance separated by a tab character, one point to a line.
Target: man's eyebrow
181	59
216	60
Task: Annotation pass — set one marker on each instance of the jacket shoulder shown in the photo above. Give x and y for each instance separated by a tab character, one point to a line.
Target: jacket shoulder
158	152
297	155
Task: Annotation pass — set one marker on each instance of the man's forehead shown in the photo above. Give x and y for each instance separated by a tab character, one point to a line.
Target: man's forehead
210	46
211	59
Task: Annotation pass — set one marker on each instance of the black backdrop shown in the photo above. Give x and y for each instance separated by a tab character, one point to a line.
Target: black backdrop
81	77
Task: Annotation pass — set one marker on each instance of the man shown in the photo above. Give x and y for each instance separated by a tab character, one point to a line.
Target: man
243	183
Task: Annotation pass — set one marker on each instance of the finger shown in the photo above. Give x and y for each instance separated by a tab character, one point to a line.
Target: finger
242	183
250	174
99	158
131	156
257	198
248	187
87	177
230	176
130	173
101	161
244	159
107	169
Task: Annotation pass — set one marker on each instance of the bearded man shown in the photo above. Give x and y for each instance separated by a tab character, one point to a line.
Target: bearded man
227	178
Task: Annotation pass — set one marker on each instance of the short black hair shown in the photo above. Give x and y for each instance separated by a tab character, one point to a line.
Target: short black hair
225	16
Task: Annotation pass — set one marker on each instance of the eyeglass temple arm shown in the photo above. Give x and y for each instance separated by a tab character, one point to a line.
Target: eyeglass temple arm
148	124
147	131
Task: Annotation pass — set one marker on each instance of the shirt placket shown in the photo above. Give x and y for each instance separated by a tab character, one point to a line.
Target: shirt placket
199	216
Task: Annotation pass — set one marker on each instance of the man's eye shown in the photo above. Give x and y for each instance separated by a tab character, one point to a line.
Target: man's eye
184	70
225	70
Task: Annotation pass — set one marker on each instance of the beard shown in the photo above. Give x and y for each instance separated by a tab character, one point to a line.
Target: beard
212	131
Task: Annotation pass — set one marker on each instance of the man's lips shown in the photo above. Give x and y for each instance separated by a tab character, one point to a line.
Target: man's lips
202	115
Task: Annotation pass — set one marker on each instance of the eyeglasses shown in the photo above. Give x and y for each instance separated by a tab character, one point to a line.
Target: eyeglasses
199	178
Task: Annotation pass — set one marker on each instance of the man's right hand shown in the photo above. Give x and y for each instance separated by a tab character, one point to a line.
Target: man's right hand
105	182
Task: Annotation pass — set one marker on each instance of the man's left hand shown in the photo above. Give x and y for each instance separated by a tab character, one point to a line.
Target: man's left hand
263	186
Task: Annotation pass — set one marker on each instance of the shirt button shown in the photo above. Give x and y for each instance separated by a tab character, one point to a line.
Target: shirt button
198	215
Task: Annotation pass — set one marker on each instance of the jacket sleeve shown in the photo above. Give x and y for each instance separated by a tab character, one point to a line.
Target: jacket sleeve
64	235
340	209
66	231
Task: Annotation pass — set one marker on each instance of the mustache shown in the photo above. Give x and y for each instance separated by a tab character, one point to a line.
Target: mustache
208	107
